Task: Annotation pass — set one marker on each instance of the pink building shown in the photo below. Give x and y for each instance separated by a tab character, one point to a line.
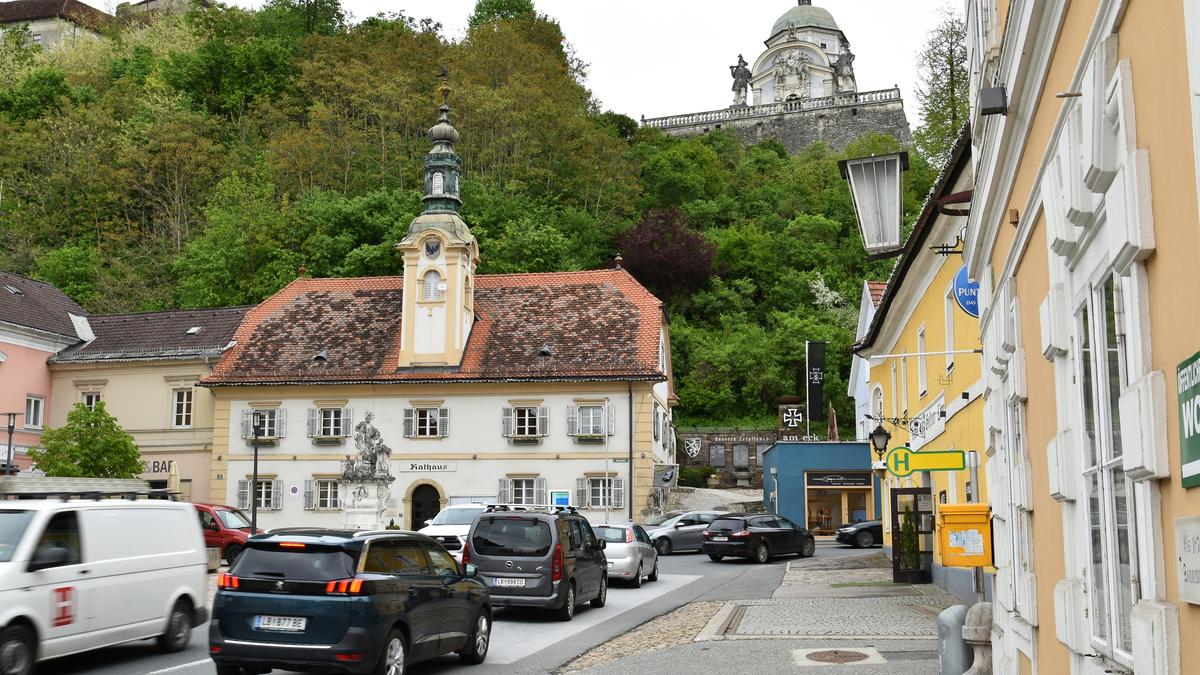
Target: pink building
36	321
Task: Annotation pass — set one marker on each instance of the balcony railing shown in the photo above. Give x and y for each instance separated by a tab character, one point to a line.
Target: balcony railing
771	109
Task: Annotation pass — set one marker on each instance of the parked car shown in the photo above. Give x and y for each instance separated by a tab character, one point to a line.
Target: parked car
349	602
682	532
79	575
757	536
224	527
538	557
866	534
631	554
451	526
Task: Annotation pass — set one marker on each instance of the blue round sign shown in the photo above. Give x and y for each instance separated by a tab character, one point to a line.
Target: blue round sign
966	293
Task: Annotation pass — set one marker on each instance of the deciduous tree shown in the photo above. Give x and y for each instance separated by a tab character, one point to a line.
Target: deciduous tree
91	445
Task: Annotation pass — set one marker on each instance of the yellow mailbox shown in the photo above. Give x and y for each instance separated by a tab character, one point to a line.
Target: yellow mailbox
965	535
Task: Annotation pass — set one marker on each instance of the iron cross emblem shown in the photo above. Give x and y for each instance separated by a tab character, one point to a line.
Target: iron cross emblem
816	376
793	417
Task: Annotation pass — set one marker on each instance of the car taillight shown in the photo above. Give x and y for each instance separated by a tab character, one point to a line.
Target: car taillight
707	534
556	567
740	534
466	548
345	587
228	581
628	536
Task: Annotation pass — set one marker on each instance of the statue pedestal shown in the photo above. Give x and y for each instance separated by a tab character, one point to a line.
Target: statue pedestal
364	504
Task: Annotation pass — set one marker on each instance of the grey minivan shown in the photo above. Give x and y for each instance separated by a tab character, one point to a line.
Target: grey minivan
545	557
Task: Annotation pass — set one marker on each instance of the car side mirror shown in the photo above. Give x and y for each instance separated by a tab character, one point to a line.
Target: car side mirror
470	571
49	556
214	526
428	522
680	523
600	544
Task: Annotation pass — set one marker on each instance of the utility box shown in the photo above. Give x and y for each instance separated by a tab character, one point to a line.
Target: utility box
965	535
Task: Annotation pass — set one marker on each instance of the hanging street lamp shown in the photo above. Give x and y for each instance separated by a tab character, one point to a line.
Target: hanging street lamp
877	187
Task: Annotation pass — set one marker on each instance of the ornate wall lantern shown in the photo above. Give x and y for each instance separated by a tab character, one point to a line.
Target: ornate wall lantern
878	190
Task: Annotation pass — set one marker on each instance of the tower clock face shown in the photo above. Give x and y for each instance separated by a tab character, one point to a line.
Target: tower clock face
433	248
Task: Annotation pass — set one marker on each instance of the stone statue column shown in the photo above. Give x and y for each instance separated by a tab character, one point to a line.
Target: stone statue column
741	80
843	69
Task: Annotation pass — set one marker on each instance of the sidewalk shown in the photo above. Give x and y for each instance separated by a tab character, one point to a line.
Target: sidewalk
839	612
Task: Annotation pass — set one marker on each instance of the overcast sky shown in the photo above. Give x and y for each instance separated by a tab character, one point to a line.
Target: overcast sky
662	57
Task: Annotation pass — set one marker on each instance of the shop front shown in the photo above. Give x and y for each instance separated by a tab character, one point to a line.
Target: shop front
836	497
822	485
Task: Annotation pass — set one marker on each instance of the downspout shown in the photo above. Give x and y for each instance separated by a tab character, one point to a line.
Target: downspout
631	491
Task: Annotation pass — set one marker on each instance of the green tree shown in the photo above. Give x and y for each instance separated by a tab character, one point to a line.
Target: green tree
487	11
942	88
90	445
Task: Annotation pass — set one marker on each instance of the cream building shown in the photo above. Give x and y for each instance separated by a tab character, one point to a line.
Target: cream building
1083	236
524	388
53	22
145	367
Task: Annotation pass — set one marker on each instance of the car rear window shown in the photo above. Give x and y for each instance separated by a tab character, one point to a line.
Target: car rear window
727	524
311	564
511	535
615	535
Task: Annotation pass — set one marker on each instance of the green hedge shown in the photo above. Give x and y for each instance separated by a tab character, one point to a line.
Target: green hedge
694	476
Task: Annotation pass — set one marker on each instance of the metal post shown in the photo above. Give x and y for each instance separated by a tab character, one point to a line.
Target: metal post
12	426
608	481
807	411
973	497
256	421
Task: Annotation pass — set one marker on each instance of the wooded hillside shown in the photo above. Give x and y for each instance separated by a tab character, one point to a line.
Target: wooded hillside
202	160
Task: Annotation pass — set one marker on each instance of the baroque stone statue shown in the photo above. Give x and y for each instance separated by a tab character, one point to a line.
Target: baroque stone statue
741	80
371	463
843	69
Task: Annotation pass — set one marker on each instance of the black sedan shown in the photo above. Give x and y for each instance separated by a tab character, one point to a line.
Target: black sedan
758	537
866	534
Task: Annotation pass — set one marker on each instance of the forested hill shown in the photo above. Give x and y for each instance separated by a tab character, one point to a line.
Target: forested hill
201	161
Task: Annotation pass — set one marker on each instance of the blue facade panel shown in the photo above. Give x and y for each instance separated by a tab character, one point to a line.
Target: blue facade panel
785	465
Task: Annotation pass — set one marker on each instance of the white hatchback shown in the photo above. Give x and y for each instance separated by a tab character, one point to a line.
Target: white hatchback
80	574
451	525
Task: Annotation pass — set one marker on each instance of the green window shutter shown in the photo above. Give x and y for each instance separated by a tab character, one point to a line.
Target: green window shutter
309	497
443	422
409	420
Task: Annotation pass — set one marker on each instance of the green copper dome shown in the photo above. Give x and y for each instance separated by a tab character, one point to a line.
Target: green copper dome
804	16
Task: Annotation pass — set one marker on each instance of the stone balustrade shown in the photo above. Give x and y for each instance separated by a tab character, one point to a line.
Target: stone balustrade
772	109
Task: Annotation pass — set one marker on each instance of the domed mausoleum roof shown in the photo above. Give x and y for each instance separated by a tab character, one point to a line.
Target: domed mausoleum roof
804	16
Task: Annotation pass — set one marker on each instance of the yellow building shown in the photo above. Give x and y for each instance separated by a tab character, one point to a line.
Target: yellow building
925	382
1083	236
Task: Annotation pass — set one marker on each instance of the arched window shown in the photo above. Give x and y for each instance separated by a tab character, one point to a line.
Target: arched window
430	290
438	183
877	404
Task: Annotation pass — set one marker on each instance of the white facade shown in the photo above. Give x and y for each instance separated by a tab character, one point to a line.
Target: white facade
859	387
468	463
799	64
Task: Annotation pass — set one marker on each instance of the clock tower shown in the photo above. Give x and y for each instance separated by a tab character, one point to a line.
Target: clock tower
440	257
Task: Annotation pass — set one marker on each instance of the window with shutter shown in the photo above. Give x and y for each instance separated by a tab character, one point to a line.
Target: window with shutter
657	423
612	420
618	493
427	422
591	420
539	491
581	493
508	423
543	424
281	423
409	428
444	422
504	491
523	490
314	422
327	498
525	422
309	497
243	494
276	494
572	420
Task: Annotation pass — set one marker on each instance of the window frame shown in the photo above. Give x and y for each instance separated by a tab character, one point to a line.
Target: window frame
427	422
39	402
525	421
587	428
332	498
271	428
922	364
258	495
600	490
183	402
89	399
430	291
521	486
325	426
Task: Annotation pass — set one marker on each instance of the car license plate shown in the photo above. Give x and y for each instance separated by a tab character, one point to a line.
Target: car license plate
286	624
720	538
509	583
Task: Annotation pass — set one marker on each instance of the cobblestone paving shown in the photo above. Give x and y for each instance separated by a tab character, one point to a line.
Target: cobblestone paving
673	628
871	617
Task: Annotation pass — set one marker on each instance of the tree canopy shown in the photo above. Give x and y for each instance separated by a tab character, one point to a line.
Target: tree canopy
91	445
202	160
942	87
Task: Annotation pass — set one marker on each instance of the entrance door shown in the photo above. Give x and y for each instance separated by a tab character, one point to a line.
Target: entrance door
912	535
426	502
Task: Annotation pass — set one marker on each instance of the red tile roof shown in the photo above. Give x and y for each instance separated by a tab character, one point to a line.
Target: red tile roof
876	288
597	325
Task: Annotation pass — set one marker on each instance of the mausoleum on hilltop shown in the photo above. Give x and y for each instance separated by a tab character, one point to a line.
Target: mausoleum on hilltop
801	89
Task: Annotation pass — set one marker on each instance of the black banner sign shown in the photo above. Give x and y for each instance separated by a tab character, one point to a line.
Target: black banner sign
816	379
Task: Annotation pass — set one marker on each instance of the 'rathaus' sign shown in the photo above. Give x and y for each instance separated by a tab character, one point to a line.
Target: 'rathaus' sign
1188	377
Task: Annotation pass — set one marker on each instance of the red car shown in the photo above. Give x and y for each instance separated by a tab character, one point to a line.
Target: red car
224	527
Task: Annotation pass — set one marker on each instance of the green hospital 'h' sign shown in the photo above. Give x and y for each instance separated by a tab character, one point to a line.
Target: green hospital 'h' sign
903	461
1188	379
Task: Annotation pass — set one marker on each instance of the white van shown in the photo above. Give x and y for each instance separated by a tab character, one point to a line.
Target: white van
78	574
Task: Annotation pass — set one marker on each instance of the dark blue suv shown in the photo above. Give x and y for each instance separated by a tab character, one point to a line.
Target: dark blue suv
344	601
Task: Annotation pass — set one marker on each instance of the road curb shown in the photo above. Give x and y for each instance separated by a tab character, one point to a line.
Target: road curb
717	625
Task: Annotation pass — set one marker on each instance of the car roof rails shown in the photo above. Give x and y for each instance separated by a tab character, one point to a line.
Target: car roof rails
55	487
532	508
